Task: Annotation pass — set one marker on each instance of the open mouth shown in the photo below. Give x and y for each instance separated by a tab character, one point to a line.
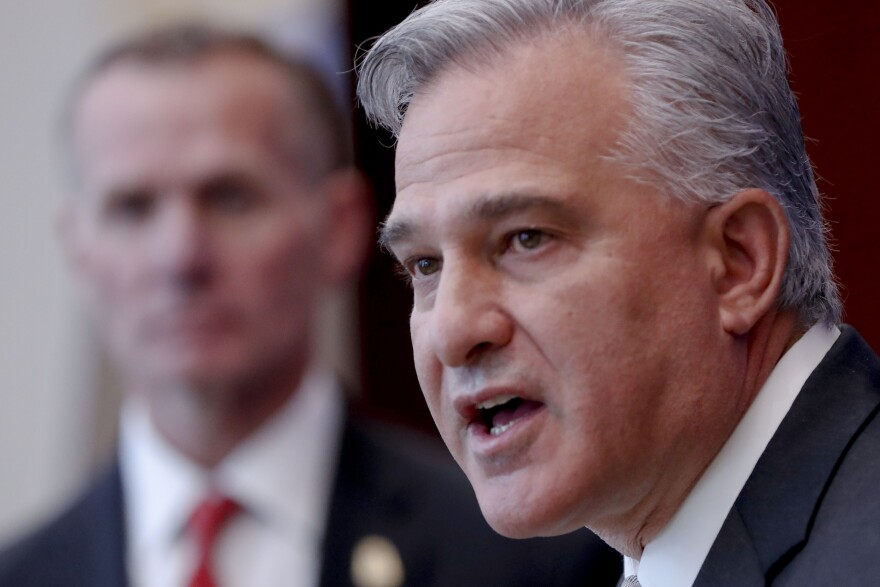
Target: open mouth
501	413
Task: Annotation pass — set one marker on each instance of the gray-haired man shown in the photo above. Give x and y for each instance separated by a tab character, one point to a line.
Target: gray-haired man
624	313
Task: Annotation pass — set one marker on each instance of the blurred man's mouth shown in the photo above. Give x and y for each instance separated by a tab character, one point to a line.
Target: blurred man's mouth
188	328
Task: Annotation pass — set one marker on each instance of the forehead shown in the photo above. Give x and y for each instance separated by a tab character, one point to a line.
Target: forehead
538	121
133	113
549	101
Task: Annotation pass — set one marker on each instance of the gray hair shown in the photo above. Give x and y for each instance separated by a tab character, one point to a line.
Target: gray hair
714	112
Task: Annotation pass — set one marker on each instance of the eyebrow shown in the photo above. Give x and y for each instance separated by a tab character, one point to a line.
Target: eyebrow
394	232
493	208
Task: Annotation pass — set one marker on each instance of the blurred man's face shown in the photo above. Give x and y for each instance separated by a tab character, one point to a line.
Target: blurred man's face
562	322
198	237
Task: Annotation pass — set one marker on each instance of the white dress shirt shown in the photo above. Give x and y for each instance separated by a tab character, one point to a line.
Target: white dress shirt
282	476
674	557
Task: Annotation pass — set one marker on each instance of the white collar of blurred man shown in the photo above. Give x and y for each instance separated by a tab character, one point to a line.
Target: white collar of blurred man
281	476
586	342
211	214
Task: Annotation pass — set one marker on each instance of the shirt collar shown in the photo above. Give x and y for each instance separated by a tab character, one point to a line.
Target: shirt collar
674	557
282	474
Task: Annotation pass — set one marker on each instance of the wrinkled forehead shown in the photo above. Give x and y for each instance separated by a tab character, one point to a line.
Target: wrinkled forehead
553	96
530	130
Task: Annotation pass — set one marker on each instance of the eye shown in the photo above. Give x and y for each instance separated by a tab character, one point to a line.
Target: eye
229	194
426	266
528	239
130	207
415	268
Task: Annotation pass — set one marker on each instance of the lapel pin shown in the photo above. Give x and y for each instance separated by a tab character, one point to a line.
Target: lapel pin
376	562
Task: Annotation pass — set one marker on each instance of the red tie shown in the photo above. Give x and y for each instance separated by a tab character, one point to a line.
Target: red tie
206	523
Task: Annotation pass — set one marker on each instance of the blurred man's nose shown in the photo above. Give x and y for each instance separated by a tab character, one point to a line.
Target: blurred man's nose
182	243
468	316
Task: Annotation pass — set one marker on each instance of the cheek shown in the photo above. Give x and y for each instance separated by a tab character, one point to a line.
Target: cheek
599	340
115	278
430	375
118	295
428	369
280	272
622	347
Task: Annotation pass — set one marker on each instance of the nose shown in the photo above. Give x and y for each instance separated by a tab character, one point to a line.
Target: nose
468	319
182	245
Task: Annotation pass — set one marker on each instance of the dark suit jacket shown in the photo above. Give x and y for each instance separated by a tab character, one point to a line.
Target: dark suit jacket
809	515
387	484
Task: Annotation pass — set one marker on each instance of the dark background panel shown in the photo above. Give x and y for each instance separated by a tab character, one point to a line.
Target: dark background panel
834	49
389	381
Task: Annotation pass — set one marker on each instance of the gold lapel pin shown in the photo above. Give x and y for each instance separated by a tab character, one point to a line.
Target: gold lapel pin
376	562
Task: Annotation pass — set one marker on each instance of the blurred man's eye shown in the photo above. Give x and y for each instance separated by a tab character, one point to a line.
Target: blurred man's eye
230	194
130	207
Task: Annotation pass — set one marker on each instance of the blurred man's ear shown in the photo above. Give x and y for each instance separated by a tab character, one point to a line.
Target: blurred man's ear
349	232
750	236
69	236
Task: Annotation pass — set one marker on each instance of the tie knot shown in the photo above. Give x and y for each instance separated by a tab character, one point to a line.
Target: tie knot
631	581
209	517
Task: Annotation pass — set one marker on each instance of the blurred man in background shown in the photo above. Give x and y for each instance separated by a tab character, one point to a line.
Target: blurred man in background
215	205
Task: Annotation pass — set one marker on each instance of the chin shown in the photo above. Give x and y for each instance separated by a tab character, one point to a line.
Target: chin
197	372
519	514
538	501
200	361
522	523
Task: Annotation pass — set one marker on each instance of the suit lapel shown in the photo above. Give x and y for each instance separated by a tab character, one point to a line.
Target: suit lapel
738	565
369	501
345	512
87	544
772	517
105	553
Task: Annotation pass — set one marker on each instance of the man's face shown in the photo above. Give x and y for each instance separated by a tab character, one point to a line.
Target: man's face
563	314
199	240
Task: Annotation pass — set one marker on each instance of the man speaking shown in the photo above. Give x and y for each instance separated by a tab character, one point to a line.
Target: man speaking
624	311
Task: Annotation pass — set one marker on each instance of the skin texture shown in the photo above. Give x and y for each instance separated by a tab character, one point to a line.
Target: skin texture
201	243
639	326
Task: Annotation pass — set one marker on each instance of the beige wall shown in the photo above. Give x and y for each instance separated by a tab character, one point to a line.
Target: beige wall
50	410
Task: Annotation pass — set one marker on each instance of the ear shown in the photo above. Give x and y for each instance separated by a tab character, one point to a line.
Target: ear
349	225
749	235
69	234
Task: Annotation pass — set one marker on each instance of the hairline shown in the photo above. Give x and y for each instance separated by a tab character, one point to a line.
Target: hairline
305	90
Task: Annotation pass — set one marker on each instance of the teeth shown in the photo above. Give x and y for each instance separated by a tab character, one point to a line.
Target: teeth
495	401
496	430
